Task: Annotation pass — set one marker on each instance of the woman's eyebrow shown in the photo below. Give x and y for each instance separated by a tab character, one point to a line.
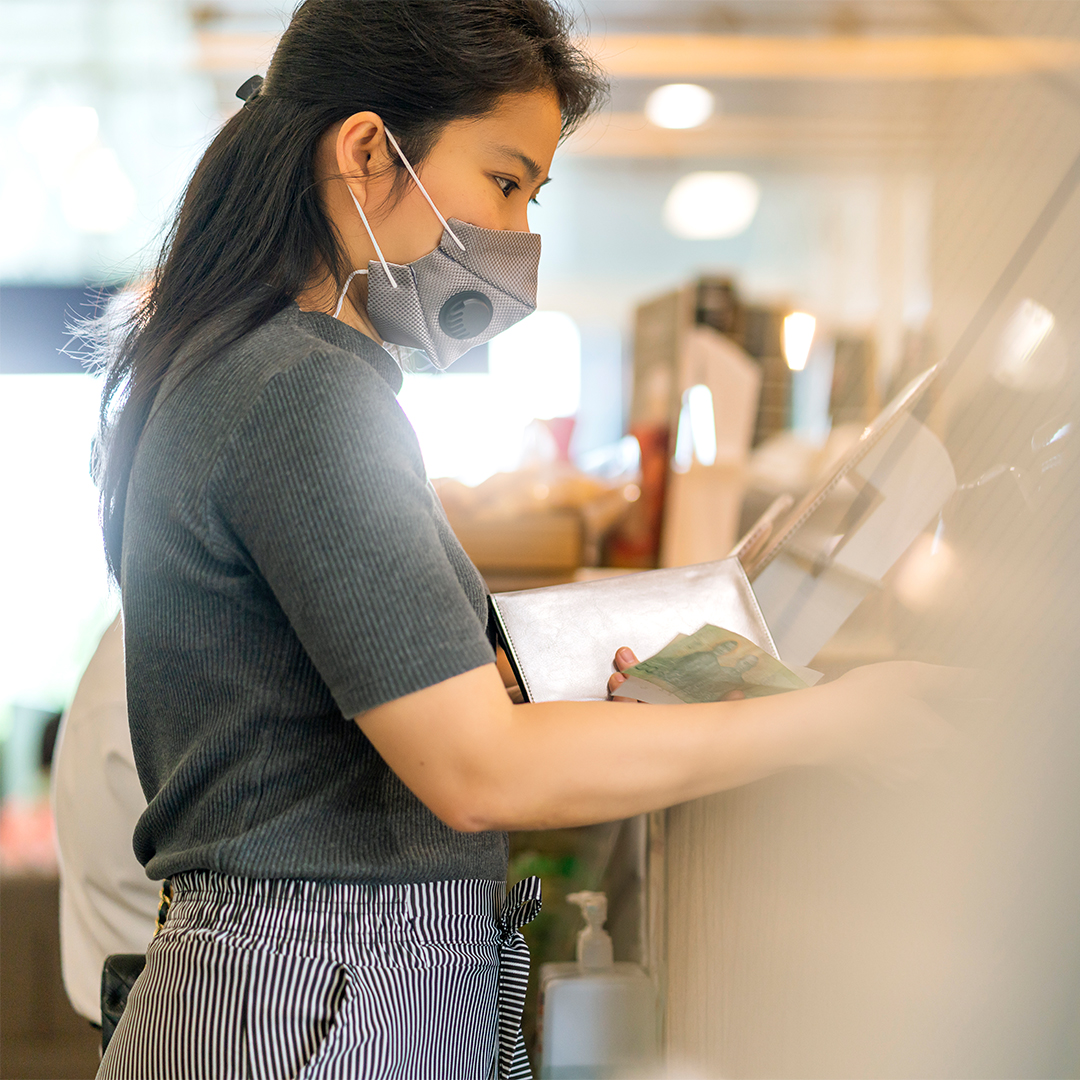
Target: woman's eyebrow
531	167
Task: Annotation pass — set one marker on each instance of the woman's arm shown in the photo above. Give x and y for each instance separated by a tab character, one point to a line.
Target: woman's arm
480	762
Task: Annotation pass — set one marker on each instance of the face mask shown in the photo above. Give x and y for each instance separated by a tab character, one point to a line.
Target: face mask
474	285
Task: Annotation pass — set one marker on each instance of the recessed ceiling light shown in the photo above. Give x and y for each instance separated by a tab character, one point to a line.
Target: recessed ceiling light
56	135
98	197
1029	356
711	205
680	105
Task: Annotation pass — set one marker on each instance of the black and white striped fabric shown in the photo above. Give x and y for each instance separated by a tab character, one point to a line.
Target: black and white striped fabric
521	907
314	980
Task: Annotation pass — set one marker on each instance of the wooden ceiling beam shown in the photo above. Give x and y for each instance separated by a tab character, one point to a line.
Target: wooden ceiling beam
715	56
234	53
630	135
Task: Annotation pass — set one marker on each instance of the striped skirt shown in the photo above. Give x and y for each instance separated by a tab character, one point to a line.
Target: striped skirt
300	979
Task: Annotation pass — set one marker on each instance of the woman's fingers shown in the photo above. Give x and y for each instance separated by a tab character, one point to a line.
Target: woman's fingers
614	683
624	658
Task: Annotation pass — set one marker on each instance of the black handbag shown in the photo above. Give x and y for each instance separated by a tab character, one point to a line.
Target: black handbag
119	973
117	978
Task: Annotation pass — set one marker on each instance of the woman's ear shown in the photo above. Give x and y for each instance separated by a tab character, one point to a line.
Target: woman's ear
361	152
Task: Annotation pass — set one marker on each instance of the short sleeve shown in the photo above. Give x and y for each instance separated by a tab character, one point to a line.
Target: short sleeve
322	484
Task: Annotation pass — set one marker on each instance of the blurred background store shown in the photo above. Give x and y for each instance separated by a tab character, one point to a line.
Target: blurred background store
790	209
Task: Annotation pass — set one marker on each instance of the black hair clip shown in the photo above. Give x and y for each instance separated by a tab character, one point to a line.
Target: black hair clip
248	91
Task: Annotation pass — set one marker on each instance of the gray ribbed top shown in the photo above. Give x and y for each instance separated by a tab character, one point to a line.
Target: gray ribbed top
286	566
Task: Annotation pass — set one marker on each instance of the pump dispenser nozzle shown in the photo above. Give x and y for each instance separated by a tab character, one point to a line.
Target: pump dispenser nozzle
594	951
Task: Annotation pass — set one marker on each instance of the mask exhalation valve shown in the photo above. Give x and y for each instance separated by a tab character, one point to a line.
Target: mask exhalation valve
465	315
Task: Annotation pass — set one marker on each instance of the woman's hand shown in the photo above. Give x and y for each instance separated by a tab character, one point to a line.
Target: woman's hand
625	658
883	720
879	720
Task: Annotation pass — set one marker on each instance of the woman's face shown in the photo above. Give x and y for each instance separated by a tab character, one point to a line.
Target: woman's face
482	171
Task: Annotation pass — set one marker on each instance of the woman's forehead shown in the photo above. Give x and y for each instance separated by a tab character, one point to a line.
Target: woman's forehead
523	128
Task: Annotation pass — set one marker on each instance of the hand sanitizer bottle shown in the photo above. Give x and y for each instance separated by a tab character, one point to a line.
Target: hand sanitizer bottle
598	1017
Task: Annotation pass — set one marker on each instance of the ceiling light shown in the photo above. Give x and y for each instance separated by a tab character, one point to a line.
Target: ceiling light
56	135
923	575
23	209
680	105
711	205
98	197
1026	359
798	336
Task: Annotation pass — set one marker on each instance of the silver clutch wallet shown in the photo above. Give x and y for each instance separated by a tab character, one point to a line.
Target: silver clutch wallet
561	640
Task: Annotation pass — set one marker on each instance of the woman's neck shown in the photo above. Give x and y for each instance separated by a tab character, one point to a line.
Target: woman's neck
320	294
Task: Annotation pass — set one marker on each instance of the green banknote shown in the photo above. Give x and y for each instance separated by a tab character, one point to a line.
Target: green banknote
705	666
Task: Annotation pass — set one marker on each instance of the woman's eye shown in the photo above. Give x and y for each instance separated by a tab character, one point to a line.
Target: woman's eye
506	186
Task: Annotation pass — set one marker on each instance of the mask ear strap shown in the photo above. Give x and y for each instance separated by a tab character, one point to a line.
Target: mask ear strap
345	289
371	237
423	190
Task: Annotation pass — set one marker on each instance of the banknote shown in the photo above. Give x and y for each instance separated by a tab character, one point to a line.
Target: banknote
705	666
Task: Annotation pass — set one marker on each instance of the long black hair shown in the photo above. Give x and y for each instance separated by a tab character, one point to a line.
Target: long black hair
251	229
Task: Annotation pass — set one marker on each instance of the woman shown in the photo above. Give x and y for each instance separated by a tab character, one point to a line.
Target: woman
330	757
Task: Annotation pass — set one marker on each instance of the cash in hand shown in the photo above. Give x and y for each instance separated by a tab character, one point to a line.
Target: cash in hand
706	666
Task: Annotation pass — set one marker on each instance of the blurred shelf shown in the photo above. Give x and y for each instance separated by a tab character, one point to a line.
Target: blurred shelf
509	581
541	545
